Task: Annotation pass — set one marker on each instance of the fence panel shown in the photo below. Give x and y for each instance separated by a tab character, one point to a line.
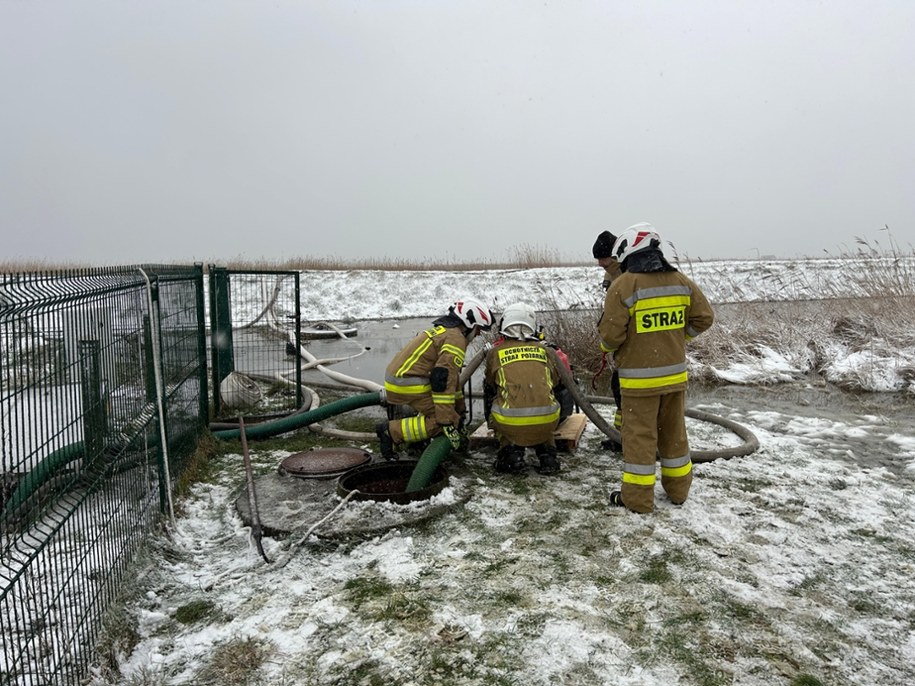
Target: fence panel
84	468
255	328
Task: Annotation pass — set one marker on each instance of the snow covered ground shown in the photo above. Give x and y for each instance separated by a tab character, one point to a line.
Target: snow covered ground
793	565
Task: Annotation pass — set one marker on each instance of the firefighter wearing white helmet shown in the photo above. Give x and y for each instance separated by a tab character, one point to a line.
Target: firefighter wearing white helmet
650	312
519	391
425	375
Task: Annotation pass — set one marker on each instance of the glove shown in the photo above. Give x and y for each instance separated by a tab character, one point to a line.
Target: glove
457	437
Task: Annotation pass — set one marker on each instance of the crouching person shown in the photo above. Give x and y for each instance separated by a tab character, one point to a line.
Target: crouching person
425	375
519	390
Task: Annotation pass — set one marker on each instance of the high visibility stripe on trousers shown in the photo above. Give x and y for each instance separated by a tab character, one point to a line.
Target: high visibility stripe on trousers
414	429
645	474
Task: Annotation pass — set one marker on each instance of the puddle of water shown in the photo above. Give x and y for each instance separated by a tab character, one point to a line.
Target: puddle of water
384	340
867	429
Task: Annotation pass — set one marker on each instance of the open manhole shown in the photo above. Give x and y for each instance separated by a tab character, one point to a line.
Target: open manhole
324	463
388	481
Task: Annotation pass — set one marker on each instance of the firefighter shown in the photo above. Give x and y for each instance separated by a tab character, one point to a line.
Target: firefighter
650	312
425	375
520	385
603	253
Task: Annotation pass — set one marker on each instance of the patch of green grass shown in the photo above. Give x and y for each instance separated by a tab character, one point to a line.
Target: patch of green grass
507	598
807	583
199	465
806	680
119	634
866	606
532	624
656	572
362	589
741	611
236	662
496	565
411	609
146	676
696	618
199	611
677	645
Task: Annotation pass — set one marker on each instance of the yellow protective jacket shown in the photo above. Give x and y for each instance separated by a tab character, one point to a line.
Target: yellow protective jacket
648	317
523	375
408	375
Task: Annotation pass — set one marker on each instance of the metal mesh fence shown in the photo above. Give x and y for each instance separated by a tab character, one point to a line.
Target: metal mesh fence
88	449
255	329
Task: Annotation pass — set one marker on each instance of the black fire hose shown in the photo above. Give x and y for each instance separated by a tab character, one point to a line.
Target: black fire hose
750	442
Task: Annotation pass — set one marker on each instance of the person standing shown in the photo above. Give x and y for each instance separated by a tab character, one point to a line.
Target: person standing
520	383
425	375
650	312
603	253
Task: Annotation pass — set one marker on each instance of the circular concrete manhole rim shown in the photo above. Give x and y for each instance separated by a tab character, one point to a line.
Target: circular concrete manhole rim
400	470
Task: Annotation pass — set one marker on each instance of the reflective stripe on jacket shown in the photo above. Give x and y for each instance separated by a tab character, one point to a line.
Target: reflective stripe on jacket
408	374
524	376
648	317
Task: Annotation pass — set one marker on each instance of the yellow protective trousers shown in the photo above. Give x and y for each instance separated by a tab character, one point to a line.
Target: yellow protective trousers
654	427
419	427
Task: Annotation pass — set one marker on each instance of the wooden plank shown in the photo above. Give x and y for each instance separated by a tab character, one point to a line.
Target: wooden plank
567	434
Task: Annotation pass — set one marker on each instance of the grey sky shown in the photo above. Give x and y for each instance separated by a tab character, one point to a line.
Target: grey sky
175	131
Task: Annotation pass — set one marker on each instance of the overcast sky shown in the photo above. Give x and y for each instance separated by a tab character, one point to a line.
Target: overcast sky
452	130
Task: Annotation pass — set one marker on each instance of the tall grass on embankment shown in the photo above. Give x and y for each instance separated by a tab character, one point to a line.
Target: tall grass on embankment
866	315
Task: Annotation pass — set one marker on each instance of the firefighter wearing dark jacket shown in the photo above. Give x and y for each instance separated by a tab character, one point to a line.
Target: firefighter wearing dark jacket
650	312
519	391
603	253
425	375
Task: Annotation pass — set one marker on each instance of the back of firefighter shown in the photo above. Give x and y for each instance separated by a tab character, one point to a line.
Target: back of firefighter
520	382
425	375
650	312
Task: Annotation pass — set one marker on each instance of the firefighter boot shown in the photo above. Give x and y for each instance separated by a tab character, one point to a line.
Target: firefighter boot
549	462
385	440
510	459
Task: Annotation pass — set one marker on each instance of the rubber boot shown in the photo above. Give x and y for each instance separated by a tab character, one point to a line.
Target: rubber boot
385	441
549	462
510	460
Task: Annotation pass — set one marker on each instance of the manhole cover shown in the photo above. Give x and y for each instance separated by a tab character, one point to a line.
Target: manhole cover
324	462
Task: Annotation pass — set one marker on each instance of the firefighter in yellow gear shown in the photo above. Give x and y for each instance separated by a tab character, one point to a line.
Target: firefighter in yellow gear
650	312
520	384
425	375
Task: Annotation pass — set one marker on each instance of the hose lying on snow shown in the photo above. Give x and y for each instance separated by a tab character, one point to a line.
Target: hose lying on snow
297	421
440	447
750	442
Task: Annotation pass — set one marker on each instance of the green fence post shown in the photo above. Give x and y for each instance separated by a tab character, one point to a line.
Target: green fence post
221	331
299	394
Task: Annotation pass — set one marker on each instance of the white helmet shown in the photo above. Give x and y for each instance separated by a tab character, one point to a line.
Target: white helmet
519	320
637	237
472	313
